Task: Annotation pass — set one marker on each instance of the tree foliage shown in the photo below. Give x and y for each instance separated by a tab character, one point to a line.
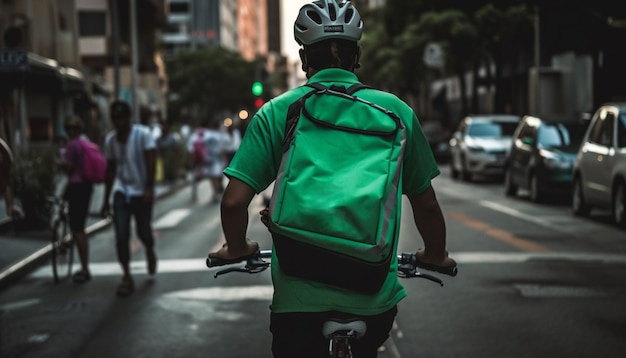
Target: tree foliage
471	34
206	82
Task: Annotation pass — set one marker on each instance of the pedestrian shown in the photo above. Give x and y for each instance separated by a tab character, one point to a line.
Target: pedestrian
207	148
77	192
6	164
130	150
328	32
168	151
233	141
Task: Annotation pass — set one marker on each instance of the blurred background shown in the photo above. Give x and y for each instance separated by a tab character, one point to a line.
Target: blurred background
186	62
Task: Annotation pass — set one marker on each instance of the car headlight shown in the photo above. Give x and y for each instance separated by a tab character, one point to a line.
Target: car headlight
554	161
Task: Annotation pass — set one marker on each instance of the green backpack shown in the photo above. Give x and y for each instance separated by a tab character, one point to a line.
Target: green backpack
336	196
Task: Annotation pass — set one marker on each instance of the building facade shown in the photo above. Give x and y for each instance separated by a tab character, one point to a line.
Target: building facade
60	57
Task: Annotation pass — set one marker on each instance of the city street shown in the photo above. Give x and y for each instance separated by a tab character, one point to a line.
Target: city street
534	281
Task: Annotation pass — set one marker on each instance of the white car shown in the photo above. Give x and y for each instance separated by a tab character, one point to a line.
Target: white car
600	166
480	145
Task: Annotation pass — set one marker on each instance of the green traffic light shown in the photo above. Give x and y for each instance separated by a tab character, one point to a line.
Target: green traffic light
257	88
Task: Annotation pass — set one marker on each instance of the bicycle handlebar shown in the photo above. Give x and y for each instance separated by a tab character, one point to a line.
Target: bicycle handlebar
407	265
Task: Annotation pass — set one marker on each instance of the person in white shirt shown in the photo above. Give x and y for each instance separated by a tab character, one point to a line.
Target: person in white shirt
130	150
212	161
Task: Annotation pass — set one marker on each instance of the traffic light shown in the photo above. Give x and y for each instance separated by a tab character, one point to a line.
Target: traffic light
257	91
258	103
257	88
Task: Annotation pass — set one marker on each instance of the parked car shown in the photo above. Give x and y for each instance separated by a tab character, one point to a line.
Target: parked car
438	138
542	156
480	145
600	167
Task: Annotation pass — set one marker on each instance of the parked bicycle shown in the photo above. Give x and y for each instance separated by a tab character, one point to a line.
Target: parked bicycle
340	332
61	244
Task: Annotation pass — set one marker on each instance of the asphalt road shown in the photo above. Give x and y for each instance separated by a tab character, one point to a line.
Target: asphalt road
534	281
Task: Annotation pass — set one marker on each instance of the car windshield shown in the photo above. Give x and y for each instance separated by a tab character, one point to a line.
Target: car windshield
492	129
560	135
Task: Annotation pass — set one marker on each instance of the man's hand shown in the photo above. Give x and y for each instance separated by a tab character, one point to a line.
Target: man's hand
440	260
265	216
148	195
227	253
106	211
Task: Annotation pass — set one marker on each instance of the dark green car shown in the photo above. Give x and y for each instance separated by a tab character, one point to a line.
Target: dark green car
542	157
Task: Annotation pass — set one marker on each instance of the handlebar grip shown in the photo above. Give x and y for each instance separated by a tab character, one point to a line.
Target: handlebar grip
216	261
450	271
411	259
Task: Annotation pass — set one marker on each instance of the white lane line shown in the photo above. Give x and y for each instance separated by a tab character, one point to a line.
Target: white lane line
19	304
518	257
515	213
199	264
171	219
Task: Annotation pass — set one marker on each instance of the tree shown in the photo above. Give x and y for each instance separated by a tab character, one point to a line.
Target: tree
205	83
504	33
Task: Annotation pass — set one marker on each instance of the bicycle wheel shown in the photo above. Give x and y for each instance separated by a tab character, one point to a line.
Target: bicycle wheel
62	252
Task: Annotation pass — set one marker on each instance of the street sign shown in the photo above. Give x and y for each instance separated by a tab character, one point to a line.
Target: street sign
13	59
433	55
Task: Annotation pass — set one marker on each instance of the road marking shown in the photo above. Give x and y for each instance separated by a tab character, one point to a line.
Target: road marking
171	219
19	304
514	213
552	291
225	294
521	257
205	303
498	234
199	264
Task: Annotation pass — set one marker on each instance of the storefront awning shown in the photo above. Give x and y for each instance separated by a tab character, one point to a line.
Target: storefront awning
37	73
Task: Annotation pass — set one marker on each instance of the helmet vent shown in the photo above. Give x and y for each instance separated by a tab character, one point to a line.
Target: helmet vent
332	12
349	14
314	16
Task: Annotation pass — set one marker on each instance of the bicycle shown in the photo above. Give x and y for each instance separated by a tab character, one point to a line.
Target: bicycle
339	332
61	243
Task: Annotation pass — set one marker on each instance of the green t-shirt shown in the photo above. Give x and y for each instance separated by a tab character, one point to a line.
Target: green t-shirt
257	162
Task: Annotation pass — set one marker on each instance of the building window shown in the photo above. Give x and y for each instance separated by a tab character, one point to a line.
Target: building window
92	23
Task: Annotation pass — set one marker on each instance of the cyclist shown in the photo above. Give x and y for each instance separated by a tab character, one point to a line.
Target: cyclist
328	32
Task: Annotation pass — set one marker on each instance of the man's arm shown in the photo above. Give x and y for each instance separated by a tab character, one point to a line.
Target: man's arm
432	227
234	209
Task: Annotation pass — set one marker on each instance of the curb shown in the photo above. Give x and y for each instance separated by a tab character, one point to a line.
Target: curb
29	263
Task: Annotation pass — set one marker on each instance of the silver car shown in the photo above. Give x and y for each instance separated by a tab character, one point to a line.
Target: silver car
600	167
480	145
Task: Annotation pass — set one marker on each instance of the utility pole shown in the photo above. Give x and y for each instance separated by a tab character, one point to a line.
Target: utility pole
537	108
115	28
134	59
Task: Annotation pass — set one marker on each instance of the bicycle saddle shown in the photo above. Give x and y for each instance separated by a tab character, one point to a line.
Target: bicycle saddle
334	325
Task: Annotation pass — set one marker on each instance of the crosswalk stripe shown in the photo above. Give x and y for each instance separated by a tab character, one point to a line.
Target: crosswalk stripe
171	219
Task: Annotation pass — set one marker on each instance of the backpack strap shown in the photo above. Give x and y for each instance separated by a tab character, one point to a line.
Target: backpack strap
293	114
294	110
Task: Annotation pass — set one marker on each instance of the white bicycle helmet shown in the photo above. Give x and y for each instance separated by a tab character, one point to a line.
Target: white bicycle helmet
327	19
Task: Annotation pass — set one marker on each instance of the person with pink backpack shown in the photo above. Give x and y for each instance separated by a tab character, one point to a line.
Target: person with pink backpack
78	190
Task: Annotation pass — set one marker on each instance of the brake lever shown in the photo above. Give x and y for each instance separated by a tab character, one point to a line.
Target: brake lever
253	265
408	270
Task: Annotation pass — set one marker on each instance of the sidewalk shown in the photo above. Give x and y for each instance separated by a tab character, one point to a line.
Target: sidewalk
21	252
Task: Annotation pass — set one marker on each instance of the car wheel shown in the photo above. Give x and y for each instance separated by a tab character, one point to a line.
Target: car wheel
510	189
619	197
579	207
535	192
